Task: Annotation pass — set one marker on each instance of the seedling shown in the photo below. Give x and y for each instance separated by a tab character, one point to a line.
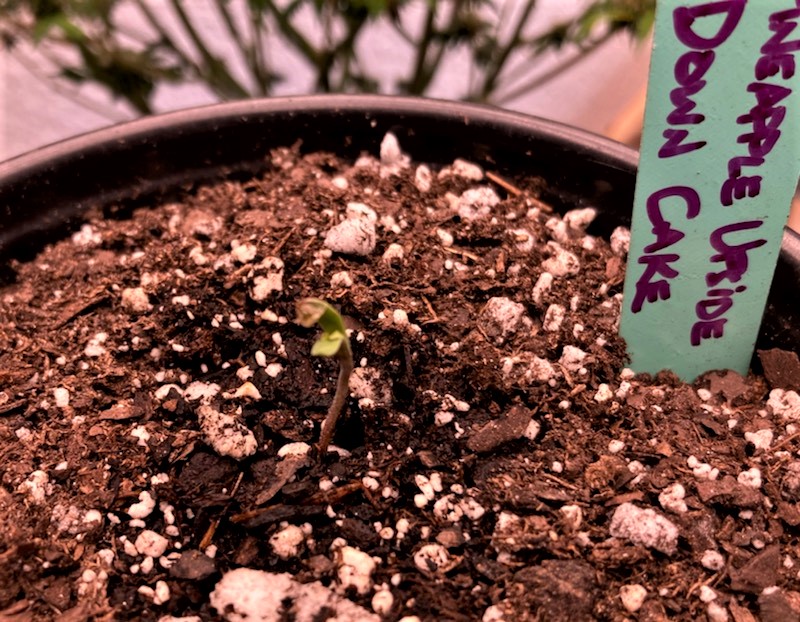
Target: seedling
333	342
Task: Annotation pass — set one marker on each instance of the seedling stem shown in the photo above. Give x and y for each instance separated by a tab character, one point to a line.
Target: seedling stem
333	342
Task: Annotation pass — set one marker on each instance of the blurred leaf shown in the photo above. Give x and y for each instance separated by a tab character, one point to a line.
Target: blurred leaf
73	75
373	7
645	21
466	27
100	9
485	50
131	69
43	9
126	73
70	30
634	16
291	7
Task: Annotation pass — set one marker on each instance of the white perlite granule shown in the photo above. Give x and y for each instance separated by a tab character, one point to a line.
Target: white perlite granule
526	369
151	543
431	558
620	241
36	487
269	278
604	394
355	569
476	203
579	219
785	404
762	439
562	261
572	358
286	542
382	601
712	560
750	477
144	507
646	527
135	300
225	434
393	160
466	169
354	236
543	285
423	178
553	318
502	317
245	595
672	498
632	597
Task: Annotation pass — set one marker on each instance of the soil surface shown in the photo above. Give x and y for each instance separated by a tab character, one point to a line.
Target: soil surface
496	461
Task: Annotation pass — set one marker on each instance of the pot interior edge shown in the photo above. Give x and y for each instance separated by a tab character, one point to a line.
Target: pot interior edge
138	159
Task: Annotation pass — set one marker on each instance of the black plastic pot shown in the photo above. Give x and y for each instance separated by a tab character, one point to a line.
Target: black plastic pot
44	193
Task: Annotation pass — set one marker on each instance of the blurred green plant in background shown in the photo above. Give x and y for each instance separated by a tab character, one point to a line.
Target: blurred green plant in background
97	41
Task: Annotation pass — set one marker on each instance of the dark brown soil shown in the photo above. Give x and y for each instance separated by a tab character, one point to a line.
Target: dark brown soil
496	461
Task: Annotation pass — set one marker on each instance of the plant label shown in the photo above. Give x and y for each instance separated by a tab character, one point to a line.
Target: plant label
719	163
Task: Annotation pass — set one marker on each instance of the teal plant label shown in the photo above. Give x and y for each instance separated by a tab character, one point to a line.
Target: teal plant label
719	163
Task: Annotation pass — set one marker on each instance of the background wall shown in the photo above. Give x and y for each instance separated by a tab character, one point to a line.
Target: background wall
591	94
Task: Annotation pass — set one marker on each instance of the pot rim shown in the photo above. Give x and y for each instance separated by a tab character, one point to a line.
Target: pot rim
143	127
